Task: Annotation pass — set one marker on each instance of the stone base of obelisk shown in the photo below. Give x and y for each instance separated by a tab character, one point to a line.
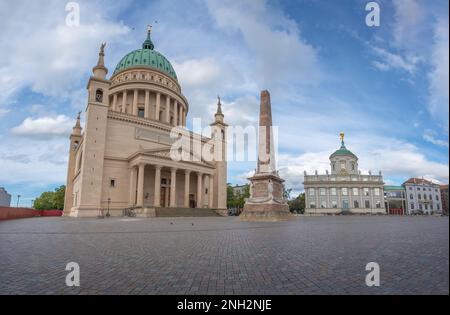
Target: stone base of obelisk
266	212
265	205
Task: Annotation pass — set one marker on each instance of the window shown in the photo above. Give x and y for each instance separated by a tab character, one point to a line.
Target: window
367	204
334	204
312	191
412	206
99	96
355	192
112	183
312	205
141	112
342	165
431	197
323	191
438	207
353	166
378	204
344	191
425	196
333	192
420	206
426	207
333	166
411	196
356	204
323	204
410	188
419	196
437	197
377	191
366	192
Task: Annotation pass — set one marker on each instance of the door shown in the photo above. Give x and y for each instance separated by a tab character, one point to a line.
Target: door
344	205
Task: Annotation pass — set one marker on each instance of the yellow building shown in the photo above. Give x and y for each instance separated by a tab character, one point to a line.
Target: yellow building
122	157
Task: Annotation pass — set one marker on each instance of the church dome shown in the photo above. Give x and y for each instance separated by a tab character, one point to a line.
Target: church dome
343	150
146	57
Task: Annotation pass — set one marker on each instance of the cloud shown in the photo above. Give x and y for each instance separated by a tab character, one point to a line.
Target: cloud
439	74
276	49
4	111
430	136
44	127
44	54
395	61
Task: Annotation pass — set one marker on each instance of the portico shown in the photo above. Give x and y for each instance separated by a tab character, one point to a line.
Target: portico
156	183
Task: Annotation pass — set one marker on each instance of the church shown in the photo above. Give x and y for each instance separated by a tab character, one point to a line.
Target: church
121	160
346	190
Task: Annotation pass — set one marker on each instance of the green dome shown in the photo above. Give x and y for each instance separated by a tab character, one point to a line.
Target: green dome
343	151
146	57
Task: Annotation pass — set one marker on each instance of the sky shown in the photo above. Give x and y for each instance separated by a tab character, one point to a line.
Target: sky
386	87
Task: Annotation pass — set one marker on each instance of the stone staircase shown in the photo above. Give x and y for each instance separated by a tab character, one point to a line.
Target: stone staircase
185	212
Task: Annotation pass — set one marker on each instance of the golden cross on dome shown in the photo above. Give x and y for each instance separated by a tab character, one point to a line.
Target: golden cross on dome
149	28
341	135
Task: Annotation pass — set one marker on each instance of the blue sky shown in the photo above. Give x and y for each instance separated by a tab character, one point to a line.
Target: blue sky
385	87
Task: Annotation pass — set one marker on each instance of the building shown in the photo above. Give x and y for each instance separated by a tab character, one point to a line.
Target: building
5	198
423	196
123	156
444	198
395	200
239	190
345	190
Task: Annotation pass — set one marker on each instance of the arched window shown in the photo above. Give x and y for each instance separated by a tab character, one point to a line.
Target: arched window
99	96
75	145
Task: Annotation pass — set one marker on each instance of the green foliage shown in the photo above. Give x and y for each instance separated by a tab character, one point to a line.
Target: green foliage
51	200
237	201
297	204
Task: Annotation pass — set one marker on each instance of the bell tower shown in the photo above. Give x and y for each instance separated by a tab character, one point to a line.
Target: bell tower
218	133
94	141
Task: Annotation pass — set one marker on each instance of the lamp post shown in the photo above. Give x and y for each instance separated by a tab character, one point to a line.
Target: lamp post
107	213
18	198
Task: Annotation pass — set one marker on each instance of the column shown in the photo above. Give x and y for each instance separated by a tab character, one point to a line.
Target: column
140	188
147	104
124	102
199	190
158	105
210	191
184	117
114	104
167	109
135	100
187	182
133	186
181	115
157	195
173	186
175	113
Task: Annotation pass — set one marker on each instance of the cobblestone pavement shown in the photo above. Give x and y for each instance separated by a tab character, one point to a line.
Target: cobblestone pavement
311	255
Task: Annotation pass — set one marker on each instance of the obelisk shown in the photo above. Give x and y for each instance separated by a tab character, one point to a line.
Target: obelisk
266	202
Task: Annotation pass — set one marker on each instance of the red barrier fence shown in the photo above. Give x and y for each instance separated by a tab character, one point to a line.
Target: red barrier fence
7	213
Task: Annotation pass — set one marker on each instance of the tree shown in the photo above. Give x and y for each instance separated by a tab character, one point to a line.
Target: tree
51	200
297	204
230	197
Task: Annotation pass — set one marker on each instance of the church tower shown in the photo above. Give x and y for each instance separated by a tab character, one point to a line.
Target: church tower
218	133
93	144
75	139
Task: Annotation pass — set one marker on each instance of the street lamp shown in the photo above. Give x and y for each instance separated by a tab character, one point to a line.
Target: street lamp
107	213
18	197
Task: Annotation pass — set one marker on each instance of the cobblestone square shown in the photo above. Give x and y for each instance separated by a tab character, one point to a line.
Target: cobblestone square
310	255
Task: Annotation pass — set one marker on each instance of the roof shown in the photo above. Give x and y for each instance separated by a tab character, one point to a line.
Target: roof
343	151
394	188
146	57
418	181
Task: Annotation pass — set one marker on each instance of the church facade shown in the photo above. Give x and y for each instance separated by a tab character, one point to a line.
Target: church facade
122	158
345	190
